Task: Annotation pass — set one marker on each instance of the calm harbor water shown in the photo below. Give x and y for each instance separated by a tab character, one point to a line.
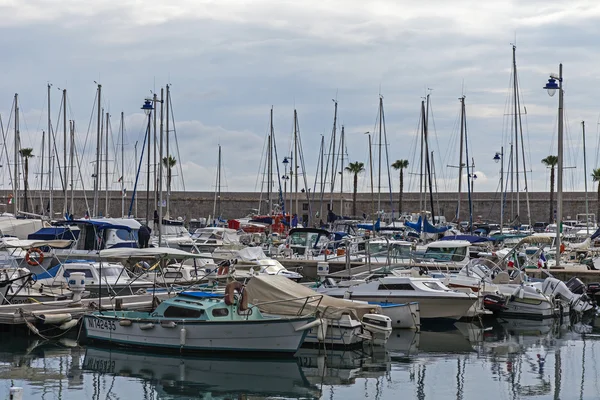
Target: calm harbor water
512	359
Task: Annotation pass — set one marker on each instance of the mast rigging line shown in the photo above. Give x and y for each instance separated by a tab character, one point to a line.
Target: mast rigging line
176	141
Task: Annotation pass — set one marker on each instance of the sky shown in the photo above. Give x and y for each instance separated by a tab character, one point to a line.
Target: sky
228	62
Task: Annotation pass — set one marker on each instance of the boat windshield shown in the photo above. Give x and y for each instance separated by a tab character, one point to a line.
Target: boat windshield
273	269
113	271
446	253
304	239
376	248
433	285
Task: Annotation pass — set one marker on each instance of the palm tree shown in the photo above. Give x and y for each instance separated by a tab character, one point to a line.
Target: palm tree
26	154
551	162
169	163
596	178
355	168
400	165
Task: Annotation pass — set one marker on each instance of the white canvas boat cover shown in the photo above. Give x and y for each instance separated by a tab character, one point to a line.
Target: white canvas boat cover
251	254
150	252
20	228
28	244
282	296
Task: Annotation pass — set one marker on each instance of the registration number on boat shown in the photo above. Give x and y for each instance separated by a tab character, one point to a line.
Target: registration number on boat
98	323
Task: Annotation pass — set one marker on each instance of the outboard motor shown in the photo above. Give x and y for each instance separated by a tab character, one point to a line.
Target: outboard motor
593	288
379	326
494	302
579	302
576	286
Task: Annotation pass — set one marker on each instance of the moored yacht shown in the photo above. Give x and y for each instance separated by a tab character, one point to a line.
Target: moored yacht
437	302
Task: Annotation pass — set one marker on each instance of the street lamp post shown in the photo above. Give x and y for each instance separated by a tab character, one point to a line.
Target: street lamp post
147	107
285	178
551	87
497	158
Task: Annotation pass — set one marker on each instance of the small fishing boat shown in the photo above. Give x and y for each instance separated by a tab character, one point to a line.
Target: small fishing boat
197	322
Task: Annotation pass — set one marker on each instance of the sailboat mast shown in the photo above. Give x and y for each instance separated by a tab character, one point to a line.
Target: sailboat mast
322	178
218	214
122	134
501	188
342	172
42	173
64	110
160	170
460	159
71	155
516	120
168	155
422	192
154	102
379	172
428	165
17	145
98	146
106	167
295	160
270	165
333	134
587	226
50	163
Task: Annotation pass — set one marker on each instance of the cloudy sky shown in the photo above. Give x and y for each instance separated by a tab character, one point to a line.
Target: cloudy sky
229	61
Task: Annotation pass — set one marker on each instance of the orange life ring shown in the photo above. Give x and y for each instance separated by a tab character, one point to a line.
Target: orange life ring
35	260
230	290
224	270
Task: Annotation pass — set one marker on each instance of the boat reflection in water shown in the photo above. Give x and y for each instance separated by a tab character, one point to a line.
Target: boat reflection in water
192	376
44	365
342	367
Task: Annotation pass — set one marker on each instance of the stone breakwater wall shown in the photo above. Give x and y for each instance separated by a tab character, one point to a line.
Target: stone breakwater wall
190	205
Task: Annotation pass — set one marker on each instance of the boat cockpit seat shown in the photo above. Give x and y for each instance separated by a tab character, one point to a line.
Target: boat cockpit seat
501	278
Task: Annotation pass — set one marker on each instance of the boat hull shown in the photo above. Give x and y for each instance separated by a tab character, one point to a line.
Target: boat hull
404	316
432	309
269	335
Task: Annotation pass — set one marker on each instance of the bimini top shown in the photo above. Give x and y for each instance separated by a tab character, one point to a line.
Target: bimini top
150	252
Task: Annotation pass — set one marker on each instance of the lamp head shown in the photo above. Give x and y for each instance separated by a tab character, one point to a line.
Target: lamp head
497	158
147	107
286	161
551	86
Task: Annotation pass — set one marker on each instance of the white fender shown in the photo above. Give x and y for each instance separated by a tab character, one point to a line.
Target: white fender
310	325
182	335
147	326
322	330
56	318
125	322
68	325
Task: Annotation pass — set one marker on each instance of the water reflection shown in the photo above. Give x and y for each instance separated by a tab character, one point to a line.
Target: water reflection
191	376
518	358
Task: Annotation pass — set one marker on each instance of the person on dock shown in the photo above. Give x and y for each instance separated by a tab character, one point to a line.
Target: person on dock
144	236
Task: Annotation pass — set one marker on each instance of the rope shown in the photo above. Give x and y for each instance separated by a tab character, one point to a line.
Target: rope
36	331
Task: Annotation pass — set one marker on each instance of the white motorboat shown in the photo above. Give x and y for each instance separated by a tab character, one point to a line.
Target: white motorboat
437	302
253	261
526	299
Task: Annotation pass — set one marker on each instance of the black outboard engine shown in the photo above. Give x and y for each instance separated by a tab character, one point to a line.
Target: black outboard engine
494	302
576	286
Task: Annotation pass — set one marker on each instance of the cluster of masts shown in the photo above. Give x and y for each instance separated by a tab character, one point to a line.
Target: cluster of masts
52	161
